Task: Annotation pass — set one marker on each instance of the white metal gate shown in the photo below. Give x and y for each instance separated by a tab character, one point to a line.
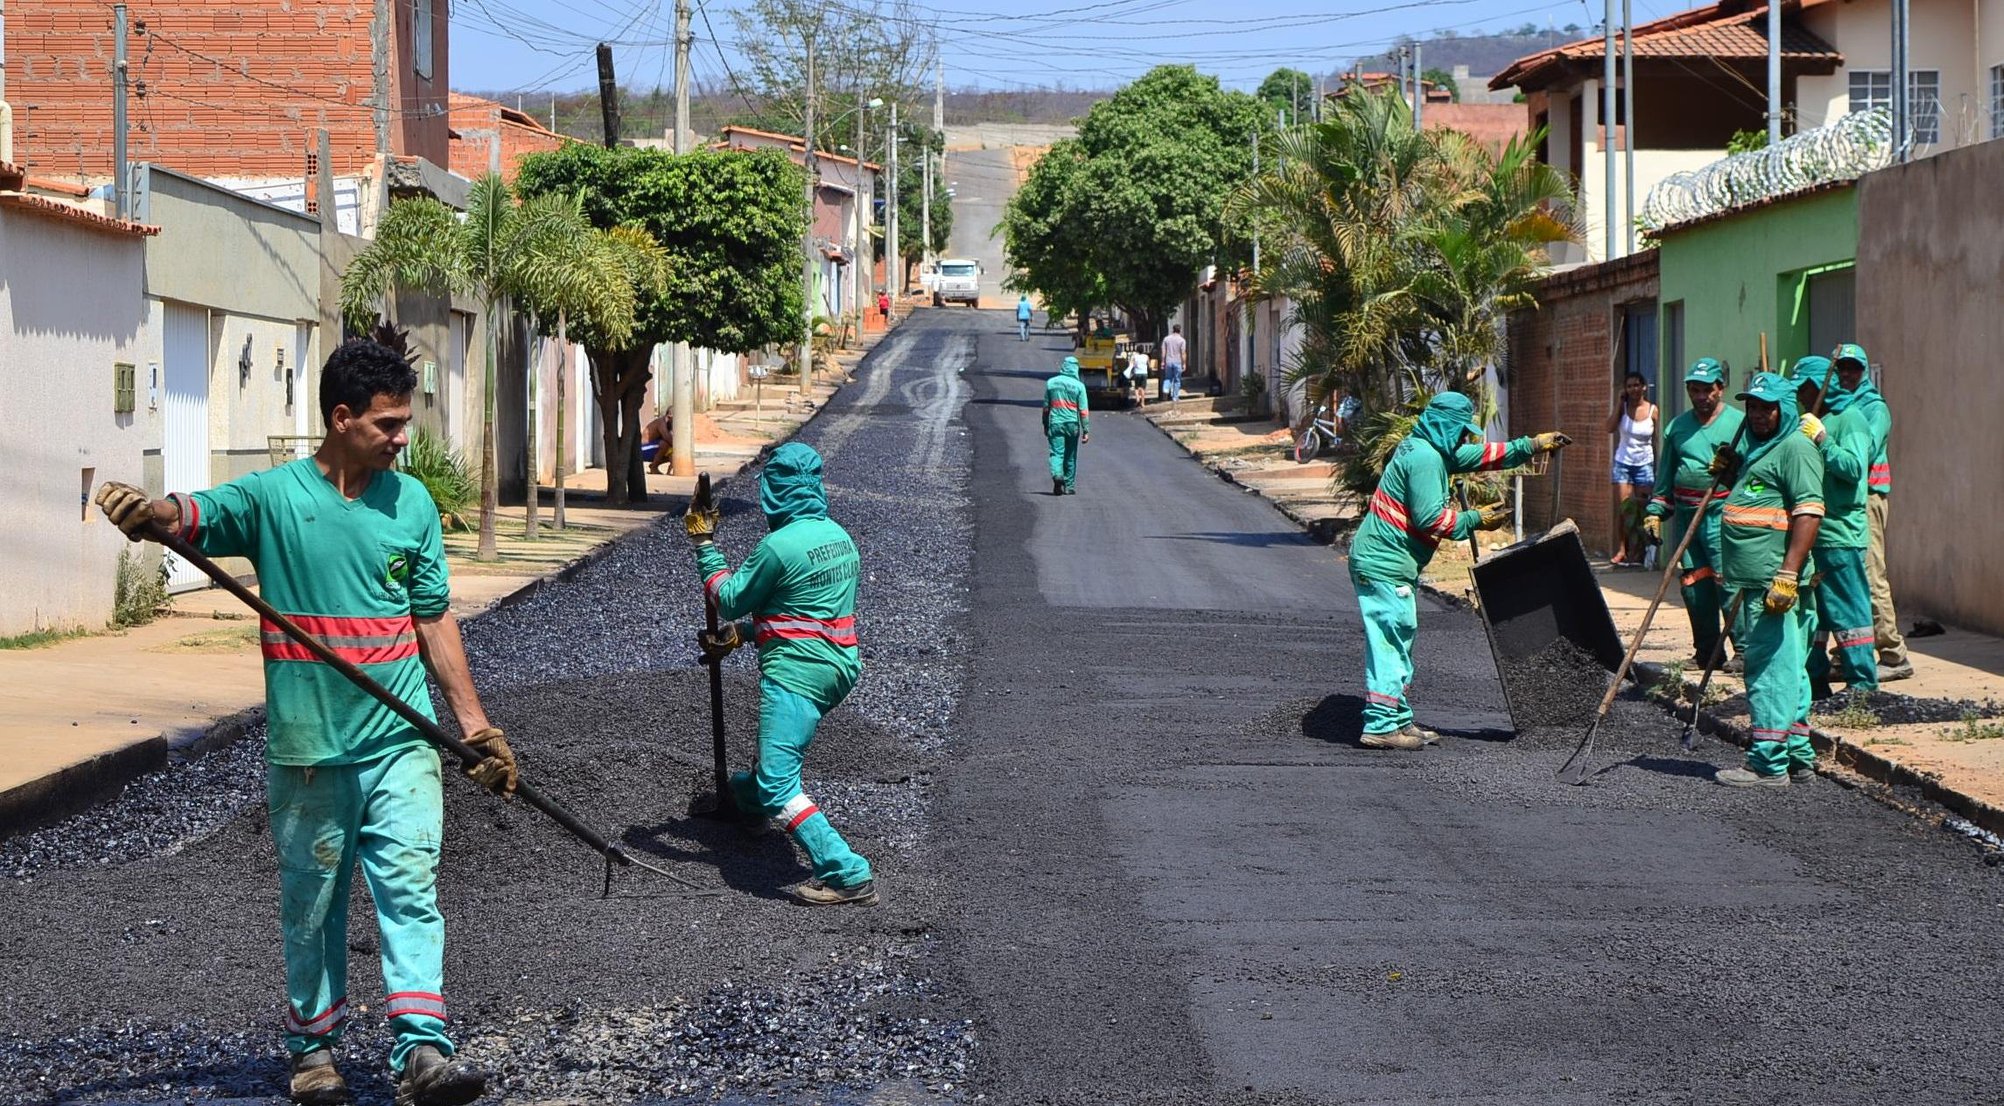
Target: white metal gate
458	334
184	447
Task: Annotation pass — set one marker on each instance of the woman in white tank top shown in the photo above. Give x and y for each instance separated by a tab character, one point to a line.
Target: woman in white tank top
1633	425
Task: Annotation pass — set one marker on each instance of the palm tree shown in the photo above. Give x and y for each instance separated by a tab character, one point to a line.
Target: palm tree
497	250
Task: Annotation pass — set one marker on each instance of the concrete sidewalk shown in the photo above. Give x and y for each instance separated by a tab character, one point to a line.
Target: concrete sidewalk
1960	764
82	716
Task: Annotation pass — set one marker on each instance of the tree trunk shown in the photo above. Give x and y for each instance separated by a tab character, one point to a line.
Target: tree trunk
621	377
490	496
629	432
563	371
531	487
605	377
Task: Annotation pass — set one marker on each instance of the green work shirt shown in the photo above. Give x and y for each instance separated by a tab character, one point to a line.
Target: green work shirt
1872	408
799	586
355	573
1409	514
1683	474
1065	404
1847	459
1787	481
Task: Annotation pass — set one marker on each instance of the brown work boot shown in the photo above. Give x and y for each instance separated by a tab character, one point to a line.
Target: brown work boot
1397	739
1426	736
1747	777
816	893
432	1078
317	1082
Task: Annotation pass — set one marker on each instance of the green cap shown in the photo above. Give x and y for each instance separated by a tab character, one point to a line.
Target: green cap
1851	351
1768	388
1812	371
1705	370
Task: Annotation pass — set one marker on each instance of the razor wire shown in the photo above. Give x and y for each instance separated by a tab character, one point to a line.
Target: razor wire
1852	146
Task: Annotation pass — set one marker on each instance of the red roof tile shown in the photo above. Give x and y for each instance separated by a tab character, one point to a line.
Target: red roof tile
56	209
11	176
794	143
1729	29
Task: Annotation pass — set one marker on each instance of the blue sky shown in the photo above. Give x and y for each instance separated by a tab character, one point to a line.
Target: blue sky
531	45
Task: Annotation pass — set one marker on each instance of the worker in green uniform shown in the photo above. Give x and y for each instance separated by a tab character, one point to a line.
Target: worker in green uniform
1067	423
1852	374
1408	518
1842	603
350	550
1683	480
1767	529
799	589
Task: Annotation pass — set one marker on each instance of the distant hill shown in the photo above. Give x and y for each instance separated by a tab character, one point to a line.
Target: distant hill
1484	55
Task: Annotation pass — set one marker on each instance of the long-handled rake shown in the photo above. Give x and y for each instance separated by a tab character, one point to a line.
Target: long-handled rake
1690	739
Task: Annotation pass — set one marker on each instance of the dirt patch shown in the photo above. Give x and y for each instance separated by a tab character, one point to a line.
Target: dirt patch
236	639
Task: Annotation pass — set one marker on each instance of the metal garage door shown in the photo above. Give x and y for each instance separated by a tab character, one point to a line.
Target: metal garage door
184	449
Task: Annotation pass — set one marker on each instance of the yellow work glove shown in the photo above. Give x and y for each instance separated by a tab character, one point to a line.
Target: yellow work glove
700	523
1781	593
1652	525
128	508
717	646
1812	428
1725	466
496	772
1551	441
1494	517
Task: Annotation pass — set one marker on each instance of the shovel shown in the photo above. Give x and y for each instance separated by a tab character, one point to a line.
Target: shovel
426	728
725	807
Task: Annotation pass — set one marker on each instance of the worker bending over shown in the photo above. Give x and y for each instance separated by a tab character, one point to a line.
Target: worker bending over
1767	531
350	550
799	587
1409	517
1683	479
1067	423
1840	606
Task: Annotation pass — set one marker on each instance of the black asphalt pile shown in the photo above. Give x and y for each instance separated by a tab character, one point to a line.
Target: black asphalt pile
1893	709
139	944
1560	685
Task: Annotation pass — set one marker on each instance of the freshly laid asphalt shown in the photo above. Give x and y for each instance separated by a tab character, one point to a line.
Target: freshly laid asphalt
1104	757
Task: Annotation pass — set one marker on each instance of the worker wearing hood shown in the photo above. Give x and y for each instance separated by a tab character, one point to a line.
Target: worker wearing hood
1408	518
1067	422
799	589
1841	605
1854	372
1767	529
1684	480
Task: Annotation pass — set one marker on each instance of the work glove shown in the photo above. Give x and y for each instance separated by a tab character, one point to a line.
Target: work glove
496	771
700	523
1812	427
1652	527
1551	441
1781	593
1494	517
128	508
1725	466
716	646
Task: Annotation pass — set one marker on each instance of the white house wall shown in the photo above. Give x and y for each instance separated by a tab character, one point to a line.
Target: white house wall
72	306
1945	37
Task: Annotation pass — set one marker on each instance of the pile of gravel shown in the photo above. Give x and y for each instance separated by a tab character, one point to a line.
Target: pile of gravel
1556	687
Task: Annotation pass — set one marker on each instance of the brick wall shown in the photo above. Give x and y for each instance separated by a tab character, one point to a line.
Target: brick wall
475	122
232	88
1562	376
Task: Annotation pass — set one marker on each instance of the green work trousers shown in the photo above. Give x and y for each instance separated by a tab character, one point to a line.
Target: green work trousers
1844	613
1065	454
772	789
1699	576
1775	649
1885	620
1391	622
387	813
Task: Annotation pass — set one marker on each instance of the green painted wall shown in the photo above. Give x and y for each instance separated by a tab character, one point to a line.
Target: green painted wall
1743	275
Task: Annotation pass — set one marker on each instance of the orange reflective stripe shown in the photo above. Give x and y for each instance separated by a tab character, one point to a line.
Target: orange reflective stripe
1760	518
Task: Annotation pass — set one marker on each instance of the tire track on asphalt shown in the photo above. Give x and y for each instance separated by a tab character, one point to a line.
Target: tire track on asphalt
936	401
877	385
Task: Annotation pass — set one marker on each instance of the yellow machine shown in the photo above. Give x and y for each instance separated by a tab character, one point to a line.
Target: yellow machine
1101	364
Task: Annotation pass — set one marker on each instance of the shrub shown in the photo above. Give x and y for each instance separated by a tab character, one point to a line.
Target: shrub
140	594
445	474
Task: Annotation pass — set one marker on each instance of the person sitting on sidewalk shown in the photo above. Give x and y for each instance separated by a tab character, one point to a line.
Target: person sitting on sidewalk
1767	530
350	549
1683	477
1851	364
1409	516
654	439
1840	604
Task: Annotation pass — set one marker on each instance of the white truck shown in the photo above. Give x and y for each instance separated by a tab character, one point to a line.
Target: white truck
958	280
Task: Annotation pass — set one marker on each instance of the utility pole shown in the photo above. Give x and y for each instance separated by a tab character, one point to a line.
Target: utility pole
1628	119
856	202
1773	74
896	277
681	373
1903	108
1607	131
121	187
1318	99
1419	89
6	113
608	95
812	165
379	59
939	136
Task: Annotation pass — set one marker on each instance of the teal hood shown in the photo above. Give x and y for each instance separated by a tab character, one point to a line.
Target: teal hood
790	487
1446	419
1069	368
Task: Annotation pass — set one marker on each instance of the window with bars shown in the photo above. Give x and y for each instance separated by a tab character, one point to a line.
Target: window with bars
1997	101
1873	88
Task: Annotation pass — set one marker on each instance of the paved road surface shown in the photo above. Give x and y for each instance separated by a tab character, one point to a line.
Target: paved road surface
983	181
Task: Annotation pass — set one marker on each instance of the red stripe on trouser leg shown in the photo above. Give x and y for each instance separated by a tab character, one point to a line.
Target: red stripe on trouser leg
809	811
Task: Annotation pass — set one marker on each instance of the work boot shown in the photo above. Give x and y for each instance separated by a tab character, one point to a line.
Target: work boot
816	893
431	1078
1744	777
1397	739
1890	672
1801	773
1057	486
316	1082
1426	736
1734	666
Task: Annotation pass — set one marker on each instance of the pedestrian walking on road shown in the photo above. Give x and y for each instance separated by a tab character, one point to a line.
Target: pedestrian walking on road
1633	424
1137	379
1853	376
1841	602
1409	517
1767	531
351	550
1684	477
1174	351
1022	317
799	588
1067	425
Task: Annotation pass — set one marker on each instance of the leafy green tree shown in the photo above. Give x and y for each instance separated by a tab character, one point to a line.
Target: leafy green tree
1288	90
1130	212
728	223
911	200
501	249
1441	78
